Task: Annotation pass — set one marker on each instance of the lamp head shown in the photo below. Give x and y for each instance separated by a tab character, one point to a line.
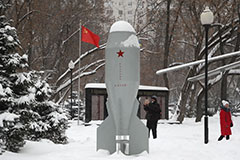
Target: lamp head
71	65
207	16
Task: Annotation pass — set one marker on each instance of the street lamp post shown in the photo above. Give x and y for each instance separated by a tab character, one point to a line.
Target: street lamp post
206	20
71	66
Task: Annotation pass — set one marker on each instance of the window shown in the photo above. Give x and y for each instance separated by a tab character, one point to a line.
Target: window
120	12
129	12
130	4
109	11
143	4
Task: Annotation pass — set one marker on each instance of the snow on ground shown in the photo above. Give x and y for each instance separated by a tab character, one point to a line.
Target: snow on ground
174	142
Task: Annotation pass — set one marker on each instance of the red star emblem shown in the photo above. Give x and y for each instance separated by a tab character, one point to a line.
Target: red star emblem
120	53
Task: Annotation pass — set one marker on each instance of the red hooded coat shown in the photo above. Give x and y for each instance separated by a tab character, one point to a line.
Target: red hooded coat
225	122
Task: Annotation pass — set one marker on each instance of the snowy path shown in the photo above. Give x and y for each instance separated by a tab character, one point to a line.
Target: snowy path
175	142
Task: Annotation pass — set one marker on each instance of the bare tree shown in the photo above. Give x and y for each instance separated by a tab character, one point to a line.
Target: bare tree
45	26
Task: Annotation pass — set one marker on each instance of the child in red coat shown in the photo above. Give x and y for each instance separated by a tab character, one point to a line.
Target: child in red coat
225	121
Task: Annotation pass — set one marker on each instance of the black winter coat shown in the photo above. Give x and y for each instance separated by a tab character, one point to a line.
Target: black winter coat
153	111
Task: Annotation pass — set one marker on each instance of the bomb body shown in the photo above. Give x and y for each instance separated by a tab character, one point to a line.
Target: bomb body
122	78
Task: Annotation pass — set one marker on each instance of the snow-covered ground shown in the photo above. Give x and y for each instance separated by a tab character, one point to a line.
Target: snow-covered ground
174	142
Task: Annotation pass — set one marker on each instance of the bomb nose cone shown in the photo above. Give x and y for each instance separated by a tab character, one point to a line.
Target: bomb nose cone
120	26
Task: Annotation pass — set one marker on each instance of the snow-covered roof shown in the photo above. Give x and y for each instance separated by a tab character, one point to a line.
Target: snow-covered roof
96	85
141	87
121	26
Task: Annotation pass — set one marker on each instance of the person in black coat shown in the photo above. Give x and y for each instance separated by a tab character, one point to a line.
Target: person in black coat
153	113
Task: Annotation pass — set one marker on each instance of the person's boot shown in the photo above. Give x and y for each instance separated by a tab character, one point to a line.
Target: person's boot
227	137
220	138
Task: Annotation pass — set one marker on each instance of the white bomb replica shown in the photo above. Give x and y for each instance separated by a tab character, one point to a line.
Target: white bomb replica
122	130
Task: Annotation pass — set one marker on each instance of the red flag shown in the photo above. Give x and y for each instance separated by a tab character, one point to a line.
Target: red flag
90	37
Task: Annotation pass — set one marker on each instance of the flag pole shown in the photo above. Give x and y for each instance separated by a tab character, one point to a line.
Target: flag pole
79	82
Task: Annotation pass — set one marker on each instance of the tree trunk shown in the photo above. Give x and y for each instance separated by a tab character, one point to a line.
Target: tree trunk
166	45
184	97
224	79
224	87
199	108
192	98
183	102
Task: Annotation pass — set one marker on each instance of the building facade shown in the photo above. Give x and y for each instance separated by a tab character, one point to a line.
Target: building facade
132	11
96	98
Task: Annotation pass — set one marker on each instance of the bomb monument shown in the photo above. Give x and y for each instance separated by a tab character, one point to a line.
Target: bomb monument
122	130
